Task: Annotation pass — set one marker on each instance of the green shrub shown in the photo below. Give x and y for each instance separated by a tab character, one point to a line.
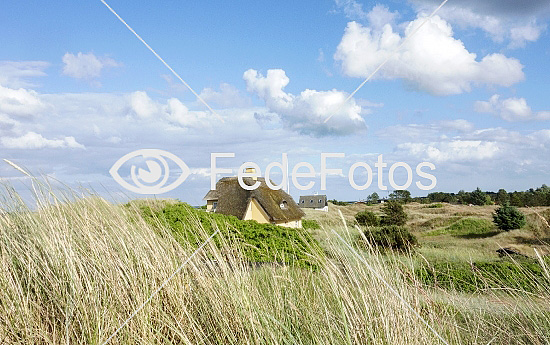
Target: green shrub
391	237
257	242
310	224
508	218
394	214
367	218
437	205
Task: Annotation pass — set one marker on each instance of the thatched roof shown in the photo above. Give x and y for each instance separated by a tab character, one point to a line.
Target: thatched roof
313	201
233	200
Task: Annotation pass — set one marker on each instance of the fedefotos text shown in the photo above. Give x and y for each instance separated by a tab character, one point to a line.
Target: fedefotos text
304	174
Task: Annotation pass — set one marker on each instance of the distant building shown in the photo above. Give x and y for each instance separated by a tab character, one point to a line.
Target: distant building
316	202
262	204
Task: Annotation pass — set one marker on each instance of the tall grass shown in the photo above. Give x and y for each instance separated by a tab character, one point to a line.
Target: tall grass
73	270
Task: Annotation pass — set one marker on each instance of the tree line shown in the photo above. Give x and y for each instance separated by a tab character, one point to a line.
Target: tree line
532	197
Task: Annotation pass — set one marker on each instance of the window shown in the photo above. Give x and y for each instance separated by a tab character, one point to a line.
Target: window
214	205
311	201
303	201
320	200
283	204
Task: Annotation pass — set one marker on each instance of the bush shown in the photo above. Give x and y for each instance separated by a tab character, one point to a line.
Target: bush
508	218
394	214
367	218
391	237
257	242
310	224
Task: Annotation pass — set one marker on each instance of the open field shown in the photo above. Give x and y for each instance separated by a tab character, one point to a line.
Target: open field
431	226
74	270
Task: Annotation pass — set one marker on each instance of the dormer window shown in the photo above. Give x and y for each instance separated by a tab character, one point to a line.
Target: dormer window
283	205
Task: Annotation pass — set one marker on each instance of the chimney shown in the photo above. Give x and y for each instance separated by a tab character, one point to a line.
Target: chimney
250	170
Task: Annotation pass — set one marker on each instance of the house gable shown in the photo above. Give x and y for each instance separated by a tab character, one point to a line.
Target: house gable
256	212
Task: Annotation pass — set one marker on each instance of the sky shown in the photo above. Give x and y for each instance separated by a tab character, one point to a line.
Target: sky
465	90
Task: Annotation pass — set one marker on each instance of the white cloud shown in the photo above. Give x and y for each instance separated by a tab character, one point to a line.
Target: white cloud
86	66
512	21
510	109
488	153
228	97
424	61
20	102
380	15
177	113
460	125
16	74
452	151
520	35
7	125
142	105
173	111
306	112
425	132
352	9
33	140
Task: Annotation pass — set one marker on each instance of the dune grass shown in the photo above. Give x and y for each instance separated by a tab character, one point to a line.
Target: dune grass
74	269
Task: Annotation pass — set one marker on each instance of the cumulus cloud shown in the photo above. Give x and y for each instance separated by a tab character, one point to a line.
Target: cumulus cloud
510	109
502	20
306	113
17	74
228	96
424	61
177	113
520	35
352	9
377	17
142	105
86	66
32	140
173	111
20	102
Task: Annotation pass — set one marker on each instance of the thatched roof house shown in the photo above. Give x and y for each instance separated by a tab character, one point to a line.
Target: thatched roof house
262	204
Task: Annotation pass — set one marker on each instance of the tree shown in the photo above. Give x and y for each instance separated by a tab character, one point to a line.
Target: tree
400	195
502	197
373	198
516	199
508	218
463	197
394	214
367	218
477	197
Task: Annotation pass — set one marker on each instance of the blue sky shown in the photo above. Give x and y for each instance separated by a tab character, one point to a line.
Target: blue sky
468	92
